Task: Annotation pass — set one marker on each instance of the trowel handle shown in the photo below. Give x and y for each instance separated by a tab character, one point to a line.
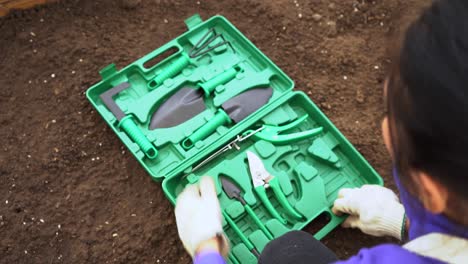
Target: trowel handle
222	78
241	235
170	71
219	119
257	221
134	132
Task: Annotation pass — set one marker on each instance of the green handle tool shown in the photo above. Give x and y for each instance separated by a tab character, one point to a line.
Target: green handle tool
271	134
234	192
234	110
222	78
261	192
219	119
239	233
274	184
177	66
262	179
126	123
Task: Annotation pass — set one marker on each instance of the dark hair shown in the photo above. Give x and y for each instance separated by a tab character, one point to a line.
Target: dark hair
427	100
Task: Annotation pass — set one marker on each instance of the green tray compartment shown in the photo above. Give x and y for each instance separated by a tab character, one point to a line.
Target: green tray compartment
310	172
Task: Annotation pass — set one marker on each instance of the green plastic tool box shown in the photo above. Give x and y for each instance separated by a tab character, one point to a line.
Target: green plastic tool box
310	171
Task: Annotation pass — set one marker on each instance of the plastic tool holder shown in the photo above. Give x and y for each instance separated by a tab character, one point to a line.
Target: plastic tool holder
310	159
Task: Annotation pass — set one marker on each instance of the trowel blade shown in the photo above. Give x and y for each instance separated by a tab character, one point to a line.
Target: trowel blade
230	188
180	107
244	104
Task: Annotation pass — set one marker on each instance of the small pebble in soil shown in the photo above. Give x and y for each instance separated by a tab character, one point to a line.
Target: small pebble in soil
29	156
345	77
133	214
97	158
52	75
41	220
54	121
356	10
73	72
24	223
32	34
115	235
56	150
376	67
166	21
299	15
6	201
45	81
381	24
30	40
35	50
92	159
198	2
106	222
25	252
331	6
59	226
30	82
80	60
316	17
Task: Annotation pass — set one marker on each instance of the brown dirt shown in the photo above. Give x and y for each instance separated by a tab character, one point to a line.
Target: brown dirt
70	193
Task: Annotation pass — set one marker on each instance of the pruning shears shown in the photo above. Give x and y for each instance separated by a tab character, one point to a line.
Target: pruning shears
262	179
271	133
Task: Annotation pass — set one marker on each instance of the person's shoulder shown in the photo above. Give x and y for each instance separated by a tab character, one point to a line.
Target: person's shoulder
387	253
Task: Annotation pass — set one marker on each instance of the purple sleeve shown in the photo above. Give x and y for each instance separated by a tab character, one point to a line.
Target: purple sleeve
209	257
387	254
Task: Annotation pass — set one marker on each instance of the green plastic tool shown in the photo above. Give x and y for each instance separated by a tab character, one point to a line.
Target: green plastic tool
261	179
126	123
270	133
219	79
234	110
239	233
233	191
172	70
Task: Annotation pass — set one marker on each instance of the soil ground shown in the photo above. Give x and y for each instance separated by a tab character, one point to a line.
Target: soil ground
70	193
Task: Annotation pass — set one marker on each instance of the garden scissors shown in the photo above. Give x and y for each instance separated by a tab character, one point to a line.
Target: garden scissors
271	133
262	179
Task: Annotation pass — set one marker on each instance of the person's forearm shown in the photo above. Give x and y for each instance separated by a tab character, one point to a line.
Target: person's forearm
208	257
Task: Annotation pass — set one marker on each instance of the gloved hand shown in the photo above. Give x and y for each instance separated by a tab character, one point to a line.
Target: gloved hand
198	217
375	210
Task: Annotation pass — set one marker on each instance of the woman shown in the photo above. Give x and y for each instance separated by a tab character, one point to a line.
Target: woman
426	134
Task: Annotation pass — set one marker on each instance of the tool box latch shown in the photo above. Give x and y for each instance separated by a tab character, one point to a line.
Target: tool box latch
193	21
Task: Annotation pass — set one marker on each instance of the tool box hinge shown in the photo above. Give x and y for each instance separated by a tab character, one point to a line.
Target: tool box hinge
193	21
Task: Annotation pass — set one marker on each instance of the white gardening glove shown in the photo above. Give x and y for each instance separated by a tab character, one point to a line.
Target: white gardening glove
374	209
198	216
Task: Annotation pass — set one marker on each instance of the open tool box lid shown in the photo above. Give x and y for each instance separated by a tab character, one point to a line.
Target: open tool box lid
310	158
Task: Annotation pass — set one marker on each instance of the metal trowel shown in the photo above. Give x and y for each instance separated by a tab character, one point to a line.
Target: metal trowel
180	107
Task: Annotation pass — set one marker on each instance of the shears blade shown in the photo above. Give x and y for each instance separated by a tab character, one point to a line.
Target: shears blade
257	170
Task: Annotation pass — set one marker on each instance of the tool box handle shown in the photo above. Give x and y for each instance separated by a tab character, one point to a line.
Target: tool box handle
193	21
